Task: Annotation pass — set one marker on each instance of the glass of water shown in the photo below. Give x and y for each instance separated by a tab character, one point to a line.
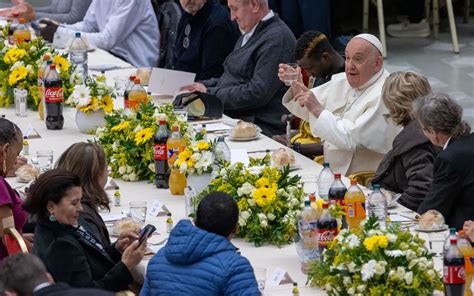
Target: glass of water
181	114
260	276
45	159
291	73
138	211
120	84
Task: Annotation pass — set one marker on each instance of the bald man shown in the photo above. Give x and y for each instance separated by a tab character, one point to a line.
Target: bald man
347	112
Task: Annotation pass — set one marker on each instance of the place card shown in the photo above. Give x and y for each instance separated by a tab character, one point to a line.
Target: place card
278	277
157	208
213	127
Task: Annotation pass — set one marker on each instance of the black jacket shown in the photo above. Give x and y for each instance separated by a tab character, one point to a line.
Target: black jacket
97	225
72	260
452	191
61	289
408	167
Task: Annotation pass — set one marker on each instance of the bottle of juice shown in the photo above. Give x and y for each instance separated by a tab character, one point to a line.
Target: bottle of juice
41	75
175	145
467	251
354	199
177	182
13	24
137	95
22	32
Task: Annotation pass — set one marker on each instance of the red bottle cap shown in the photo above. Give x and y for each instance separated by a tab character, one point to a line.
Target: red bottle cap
15	14
52	67
175	128
353	181
162	122
312	197
136	81
453	241
325	206
132	78
337	175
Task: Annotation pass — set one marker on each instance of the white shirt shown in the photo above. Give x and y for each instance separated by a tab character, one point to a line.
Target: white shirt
126	28
446	144
41	286
247	36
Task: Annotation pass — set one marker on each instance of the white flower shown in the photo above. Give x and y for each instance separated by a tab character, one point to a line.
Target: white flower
271	217
242	221
361	288
133	177
255	170
251	202
246	189
183	167
138	128
151	167
380	267
400	272
391	237
351	267
328	287
368	270
392	274
129	169
33	48
431	273
122	170
353	241
245	215
264	223
115	145
409	277
81	95
346	281
351	291
262	216
16	65
30	69
410	255
394	253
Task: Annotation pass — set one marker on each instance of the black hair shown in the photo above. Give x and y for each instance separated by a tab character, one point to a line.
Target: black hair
50	186
217	213
311	45
8	131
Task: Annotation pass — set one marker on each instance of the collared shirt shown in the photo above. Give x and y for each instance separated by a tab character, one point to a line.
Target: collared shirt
446	144
41	286
247	36
126	28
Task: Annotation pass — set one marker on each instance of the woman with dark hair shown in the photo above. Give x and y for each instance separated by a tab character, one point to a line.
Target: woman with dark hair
11	213
452	190
72	254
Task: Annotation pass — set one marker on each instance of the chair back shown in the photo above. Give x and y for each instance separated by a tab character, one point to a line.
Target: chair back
363	178
14	242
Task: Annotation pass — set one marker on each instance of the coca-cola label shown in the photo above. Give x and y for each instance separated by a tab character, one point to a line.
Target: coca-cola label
160	151
326	236
54	94
454	274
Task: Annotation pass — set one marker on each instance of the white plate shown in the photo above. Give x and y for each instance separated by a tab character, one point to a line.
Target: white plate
244	139
442	228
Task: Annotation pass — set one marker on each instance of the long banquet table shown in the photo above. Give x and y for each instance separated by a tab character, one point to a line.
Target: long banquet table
269	257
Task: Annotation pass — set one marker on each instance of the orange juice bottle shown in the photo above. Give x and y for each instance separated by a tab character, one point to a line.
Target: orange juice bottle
177	182
22	33
354	200
41	75
137	95
467	251
175	145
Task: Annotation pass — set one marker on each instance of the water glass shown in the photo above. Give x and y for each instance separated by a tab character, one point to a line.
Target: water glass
45	159
260	276
20	101
181	114
120	84
291	73
138	211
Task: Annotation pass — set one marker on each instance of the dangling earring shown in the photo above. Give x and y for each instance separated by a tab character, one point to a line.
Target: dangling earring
4	173
52	218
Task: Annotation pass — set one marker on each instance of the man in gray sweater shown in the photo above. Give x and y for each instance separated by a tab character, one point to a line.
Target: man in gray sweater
250	88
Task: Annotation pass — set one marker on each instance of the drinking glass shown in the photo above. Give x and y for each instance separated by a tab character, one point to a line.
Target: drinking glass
181	114
291	73
138	211
260	276
45	159
120	84
20	101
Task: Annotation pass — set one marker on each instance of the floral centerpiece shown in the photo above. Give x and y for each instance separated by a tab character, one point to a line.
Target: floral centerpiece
127	139
269	200
375	261
19	66
197	158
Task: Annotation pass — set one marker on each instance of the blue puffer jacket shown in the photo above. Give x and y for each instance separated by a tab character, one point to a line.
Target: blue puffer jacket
197	262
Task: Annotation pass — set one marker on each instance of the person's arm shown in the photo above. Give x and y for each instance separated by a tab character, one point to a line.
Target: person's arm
263	85
6	218
89	24
210	82
75	14
444	188
240	279
121	23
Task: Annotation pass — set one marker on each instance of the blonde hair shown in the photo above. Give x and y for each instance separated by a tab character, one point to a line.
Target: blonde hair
399	91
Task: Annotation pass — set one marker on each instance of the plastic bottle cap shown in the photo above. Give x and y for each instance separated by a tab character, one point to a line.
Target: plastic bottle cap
326	164
22	20
162	122
461	233
307	203
174	128
15	14
53	66
49	62
337	175
353	181
136	81
116	188
78	34
295	284
325	206
46	58
312	197
221	139
203	125
376	186
132	78
453	241
25	137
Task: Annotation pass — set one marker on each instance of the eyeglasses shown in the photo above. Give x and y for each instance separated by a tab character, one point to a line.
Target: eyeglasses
187	31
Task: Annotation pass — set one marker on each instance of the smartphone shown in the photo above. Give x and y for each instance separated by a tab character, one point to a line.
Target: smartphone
145	233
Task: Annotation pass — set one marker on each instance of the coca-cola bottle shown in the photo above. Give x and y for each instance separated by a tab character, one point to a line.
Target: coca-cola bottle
453	271
327	229
53	99
161	153
336	193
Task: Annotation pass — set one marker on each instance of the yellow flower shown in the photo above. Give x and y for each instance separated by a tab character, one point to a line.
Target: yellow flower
61	62
202	145
185	157
264	196
86	108
376	241
143	136
263	182
107	104
17	74
13	55
243	204
121	126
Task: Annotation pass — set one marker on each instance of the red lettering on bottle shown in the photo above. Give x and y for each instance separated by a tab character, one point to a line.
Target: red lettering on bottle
160	152
454	275
53	95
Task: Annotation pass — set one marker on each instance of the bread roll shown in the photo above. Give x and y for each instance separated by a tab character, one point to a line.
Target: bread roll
27	172
282	157
432	219
244	130
126	225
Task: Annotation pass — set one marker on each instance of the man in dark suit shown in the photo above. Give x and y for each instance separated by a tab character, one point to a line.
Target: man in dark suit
452	190
25	275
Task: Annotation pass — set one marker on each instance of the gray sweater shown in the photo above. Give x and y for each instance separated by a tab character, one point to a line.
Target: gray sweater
64	11
250	88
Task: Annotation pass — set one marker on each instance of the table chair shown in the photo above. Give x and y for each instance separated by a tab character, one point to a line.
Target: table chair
14	242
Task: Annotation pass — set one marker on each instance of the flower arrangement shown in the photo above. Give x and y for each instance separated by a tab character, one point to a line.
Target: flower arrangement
269	200
127	139
19	66
197	158
94	95
375	261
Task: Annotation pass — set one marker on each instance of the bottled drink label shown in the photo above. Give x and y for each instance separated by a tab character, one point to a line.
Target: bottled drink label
325	237
54	94
355	209
160	151
453	274
308	229
173	154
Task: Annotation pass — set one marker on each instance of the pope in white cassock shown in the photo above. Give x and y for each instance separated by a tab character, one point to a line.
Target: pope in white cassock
347	112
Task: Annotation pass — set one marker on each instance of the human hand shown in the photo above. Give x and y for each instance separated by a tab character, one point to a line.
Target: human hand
20	161
307	99
196	86
126	239
48	31
468	228
282	68
29	240
133	254
280	139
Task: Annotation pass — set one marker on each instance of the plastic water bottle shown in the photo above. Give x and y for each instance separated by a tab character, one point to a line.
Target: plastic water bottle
447	242
325	180
307	246
189	195
221	151
377	206
78	54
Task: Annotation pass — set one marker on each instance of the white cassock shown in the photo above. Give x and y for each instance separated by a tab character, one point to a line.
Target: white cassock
355	133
